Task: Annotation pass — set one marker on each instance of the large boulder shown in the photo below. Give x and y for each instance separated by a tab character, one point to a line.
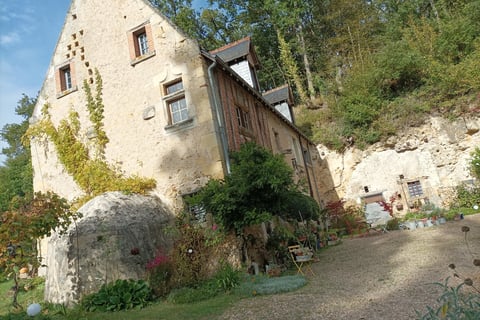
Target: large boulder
114	239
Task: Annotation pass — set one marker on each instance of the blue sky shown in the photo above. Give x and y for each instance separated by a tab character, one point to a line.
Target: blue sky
29	30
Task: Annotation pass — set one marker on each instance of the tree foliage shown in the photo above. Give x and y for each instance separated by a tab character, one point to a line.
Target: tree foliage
260	185
371	64
16	179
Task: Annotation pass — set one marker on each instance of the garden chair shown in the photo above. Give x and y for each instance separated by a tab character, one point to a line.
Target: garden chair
302	258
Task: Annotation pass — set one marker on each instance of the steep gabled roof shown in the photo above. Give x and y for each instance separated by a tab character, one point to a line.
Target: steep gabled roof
279	94
237	50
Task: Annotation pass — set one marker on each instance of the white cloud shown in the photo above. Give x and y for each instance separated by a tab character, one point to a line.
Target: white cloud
9	38
16	20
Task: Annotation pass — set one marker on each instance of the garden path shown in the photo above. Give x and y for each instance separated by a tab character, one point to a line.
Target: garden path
388	276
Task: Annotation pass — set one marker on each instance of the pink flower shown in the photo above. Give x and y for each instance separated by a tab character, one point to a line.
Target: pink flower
158	260
214	227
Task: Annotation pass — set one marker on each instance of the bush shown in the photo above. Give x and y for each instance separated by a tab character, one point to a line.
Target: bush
227	277
159	274
190	256
467	196
119	295
393	224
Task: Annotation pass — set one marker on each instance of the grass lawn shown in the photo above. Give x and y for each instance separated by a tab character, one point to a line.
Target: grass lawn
207	309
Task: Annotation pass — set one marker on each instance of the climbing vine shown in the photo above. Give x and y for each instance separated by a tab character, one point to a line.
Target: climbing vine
95	108
89	169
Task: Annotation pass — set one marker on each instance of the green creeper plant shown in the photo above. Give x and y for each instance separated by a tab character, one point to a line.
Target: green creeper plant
88	167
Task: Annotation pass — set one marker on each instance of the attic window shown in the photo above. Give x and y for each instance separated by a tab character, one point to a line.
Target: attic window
140	42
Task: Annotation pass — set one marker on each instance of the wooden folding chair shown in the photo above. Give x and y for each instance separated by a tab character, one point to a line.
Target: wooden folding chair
302	257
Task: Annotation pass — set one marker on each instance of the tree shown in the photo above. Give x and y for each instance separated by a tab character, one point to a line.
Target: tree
260	185
21	228
182	15
16	176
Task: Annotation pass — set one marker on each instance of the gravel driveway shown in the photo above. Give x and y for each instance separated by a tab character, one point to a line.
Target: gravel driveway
387	276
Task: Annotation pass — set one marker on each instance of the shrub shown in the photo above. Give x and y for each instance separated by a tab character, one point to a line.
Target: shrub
159	273
190	255
119	295
467	196
227	277
393	224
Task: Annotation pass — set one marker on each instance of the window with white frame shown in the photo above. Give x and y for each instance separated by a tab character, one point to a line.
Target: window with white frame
175	101
142	43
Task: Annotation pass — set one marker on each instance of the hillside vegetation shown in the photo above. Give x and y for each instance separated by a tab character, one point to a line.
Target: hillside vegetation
361	70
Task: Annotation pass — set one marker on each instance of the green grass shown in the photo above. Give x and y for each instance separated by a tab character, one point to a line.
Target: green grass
212	308
24	298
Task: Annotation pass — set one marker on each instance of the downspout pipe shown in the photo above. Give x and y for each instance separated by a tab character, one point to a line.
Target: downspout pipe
220	121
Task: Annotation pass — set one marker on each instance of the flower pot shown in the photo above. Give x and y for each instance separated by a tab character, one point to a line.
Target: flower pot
411	225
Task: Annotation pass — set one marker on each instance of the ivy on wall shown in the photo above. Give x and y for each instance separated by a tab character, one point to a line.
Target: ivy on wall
88	167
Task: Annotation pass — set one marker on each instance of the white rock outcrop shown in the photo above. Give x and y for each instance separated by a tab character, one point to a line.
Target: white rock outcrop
115	238
436	154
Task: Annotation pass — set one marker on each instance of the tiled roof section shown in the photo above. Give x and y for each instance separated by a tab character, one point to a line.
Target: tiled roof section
235	50
277	95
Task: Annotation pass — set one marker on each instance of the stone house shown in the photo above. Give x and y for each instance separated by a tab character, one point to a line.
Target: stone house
172	111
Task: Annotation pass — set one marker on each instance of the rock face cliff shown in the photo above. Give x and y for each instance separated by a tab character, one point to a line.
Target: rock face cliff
115	238
420	165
